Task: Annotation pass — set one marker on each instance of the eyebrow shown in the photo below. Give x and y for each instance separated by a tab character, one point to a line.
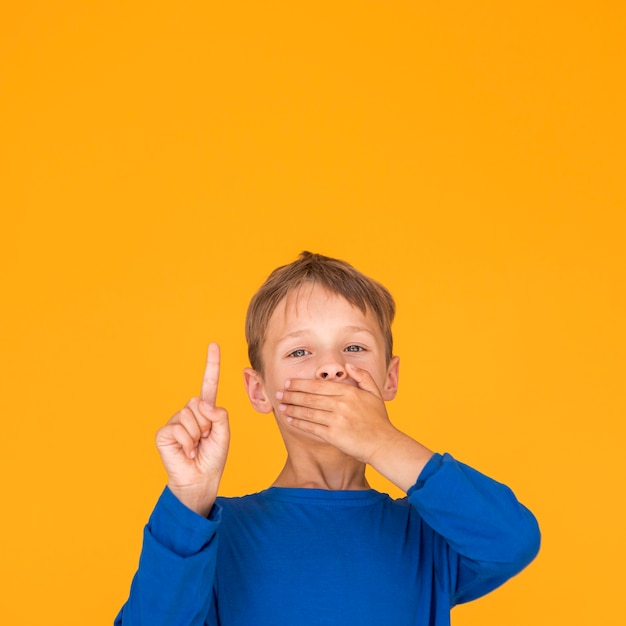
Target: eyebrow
305	331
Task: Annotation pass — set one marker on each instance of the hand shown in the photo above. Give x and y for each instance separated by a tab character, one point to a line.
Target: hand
194	443
350	417
354	420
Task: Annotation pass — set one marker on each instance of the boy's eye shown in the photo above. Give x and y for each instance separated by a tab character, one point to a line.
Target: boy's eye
354	348
299	352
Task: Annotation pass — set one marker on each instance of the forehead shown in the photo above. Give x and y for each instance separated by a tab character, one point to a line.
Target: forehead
314	305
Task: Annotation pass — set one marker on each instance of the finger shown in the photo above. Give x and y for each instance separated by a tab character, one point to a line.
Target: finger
363	378
305	399
177	435
191	424
319	430
211	375
219	429
306	414
204	414
308	385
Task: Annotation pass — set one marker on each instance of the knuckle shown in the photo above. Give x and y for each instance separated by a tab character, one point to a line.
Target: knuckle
178	430
185	413
204	410
182	434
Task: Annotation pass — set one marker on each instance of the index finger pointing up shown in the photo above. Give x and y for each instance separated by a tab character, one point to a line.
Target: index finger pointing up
211	375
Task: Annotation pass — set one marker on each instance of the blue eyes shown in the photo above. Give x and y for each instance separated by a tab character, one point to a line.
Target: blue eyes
354	348
301	352
298	353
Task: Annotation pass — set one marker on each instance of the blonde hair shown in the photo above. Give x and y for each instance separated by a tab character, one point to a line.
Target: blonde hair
337	276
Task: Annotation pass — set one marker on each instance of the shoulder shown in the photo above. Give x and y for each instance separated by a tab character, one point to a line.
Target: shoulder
245	503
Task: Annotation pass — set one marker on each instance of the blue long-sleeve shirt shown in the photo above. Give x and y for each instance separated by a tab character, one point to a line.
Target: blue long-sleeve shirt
315	557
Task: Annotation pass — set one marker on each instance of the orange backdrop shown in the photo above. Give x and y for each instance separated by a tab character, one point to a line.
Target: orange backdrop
158	159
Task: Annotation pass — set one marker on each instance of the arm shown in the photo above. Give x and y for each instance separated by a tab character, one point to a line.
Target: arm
174	581
488	536
173	585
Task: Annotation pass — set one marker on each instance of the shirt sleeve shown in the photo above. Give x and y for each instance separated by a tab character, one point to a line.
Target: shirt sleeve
486	535
174	581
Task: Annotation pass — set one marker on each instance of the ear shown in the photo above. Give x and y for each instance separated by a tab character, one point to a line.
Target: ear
256	391
390	389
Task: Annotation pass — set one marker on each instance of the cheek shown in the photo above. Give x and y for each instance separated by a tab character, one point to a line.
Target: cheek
302	371
297	370
379	376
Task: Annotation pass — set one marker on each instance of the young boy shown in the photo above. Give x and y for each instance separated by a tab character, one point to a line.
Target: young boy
319	546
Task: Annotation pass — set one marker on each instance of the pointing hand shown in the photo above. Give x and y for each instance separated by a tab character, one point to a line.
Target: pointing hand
194	443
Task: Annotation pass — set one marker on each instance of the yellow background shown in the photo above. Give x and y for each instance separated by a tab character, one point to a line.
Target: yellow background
159	159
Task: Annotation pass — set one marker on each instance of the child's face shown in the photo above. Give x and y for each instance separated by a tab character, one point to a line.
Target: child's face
313	334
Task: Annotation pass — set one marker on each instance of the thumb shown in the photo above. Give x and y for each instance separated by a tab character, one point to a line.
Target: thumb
364	379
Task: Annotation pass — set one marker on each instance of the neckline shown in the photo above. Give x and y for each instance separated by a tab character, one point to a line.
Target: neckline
344	496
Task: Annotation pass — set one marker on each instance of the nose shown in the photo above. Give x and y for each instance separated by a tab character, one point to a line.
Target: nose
331	370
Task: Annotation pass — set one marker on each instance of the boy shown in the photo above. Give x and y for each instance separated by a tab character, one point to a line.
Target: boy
319	546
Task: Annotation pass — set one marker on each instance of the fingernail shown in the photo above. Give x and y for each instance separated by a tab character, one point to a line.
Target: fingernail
282	408
287	384
279	395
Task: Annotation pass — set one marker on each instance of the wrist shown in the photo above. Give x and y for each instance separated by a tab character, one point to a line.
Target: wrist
200	500
400	459
387	443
